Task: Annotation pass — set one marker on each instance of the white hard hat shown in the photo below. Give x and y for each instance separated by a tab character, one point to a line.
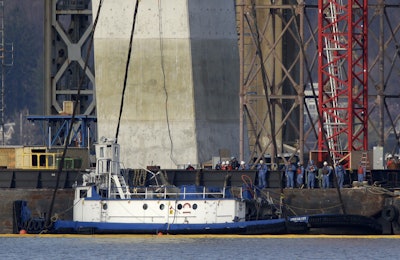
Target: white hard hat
242	162
389	156
325	163
261	161
227	162
223	163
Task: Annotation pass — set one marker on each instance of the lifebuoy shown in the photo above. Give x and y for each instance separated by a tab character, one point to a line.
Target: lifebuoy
389	213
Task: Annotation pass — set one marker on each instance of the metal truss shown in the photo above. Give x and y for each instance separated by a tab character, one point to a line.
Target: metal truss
55	129
342	78
68	69
68	28
278	43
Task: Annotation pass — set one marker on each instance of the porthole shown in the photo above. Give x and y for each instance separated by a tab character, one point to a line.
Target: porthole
145	206
194	206
179	206
162	206
105	207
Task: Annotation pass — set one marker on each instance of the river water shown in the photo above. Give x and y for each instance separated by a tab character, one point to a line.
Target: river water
186	247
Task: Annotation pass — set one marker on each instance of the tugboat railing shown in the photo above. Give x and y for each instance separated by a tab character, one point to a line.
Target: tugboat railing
117	188
181	193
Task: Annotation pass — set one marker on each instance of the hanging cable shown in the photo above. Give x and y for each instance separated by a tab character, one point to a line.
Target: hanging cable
127	69
61	163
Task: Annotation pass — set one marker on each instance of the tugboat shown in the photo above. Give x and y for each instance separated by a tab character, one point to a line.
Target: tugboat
104	203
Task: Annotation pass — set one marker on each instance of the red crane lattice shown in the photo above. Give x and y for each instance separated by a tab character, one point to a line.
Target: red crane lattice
342	77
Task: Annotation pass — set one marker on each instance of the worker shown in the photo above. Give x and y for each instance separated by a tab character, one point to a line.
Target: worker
223	166
228	166
218	165
361	172
289	173
189	167
300	175
234	163
339	172
311	170
326	172
242	166
262	175
391	163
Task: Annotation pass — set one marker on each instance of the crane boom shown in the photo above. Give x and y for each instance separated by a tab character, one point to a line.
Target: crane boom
342	77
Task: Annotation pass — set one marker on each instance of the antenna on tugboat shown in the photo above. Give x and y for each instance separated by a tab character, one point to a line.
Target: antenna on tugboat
126	69
60	165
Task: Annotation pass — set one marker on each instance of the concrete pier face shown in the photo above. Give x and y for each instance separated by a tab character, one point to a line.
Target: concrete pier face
181	101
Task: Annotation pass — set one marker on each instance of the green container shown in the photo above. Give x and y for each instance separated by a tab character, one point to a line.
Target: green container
78	163
68	163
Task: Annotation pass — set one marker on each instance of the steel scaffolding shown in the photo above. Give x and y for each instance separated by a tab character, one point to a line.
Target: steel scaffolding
279	53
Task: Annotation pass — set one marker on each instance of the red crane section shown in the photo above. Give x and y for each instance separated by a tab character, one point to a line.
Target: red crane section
342	78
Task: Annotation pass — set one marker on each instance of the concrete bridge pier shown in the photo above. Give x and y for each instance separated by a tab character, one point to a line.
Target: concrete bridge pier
181	102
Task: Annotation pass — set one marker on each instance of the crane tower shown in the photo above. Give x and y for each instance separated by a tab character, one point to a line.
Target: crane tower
342	77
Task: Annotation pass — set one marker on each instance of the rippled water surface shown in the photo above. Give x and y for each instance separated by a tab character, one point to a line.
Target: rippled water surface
171	247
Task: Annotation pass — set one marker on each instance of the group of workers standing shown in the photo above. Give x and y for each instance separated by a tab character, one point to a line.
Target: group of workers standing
303	175
233	164
309	174
312	173
296	175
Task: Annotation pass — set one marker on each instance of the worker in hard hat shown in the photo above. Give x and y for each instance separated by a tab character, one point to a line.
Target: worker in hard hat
234	163
390	162
340	172
223	165
311	171
218	166
361	172
242	166
189	167
326	172
289	173
300	175
262	170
